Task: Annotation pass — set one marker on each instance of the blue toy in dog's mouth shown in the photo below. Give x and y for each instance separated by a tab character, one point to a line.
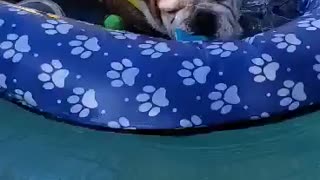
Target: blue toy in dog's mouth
181	35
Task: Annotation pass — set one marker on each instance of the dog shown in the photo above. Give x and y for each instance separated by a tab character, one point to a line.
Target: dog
214	18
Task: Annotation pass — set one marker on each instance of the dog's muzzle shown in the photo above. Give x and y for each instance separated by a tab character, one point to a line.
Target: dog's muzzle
204	22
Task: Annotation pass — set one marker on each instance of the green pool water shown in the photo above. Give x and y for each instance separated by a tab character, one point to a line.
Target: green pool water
34	148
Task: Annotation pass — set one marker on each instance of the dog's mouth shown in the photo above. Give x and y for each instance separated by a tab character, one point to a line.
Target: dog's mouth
215	20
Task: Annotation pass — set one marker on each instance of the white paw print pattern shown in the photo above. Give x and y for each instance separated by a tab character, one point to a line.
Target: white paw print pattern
122	123
152	100
262	116
264	68
224	98
124	35
15	46
84	46
193	72
53	27
19	11
1	22
310	24
250	40
195	121
154	49
287	41
293	94
222	49
307	14
316	67
82	101
53	75
3	81
25	98
122	73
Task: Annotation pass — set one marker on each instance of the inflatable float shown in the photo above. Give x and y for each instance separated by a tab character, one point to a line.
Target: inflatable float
82	74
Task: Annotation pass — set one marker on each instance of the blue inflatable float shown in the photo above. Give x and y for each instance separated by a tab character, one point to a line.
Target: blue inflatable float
83	74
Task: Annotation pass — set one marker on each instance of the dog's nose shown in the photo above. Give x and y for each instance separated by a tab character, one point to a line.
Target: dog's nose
204	22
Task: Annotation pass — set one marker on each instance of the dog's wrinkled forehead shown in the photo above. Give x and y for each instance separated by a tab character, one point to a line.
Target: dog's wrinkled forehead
215	5
171	4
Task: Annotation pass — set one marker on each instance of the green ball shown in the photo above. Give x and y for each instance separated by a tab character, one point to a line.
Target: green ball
114	22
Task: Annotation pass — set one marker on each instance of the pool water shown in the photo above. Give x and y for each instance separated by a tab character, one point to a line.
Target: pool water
35	148
264	15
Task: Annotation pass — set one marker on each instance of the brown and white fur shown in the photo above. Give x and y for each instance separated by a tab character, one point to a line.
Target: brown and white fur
218	18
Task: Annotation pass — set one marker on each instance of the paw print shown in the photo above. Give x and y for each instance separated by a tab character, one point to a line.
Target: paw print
122	123
123	73
152	100
3	81
82	102
15	46
23	10
124	35
310	24
264	69
1	22
193	72
53	27
293	94
224	98
222	49
195	121
84	46
250	40
307	14
288	42
316	67
18	11
262	116
25	98
53	75
154	49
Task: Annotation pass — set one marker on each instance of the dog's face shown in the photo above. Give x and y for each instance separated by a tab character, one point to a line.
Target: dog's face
217	18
